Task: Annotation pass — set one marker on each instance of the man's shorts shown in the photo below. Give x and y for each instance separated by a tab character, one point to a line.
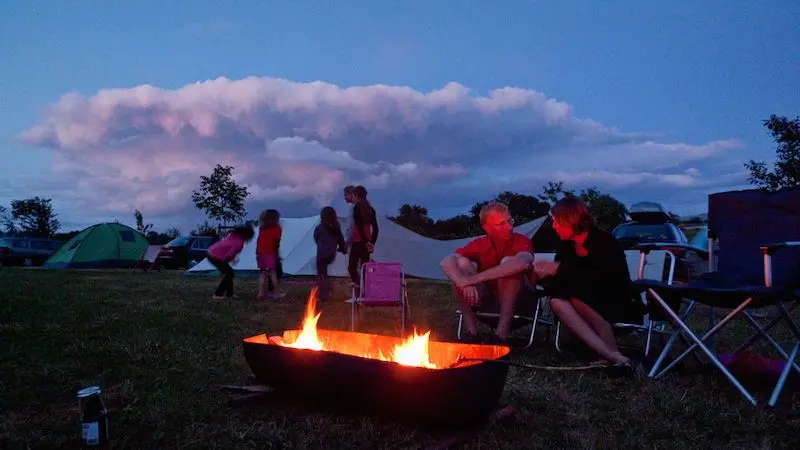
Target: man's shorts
489	303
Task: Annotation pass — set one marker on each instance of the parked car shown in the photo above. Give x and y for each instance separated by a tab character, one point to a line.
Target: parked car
184	251
25	251
651	224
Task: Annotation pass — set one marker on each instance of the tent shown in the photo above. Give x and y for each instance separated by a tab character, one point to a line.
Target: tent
100	246
419	255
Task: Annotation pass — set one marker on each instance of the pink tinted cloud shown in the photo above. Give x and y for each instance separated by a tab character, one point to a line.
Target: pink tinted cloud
145	147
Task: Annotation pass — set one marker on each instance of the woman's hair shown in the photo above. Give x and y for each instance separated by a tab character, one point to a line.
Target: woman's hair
349	188
572	212
329	218
366	208
269	218
244	232
360	191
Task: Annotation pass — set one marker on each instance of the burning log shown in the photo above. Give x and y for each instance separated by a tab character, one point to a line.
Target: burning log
412	379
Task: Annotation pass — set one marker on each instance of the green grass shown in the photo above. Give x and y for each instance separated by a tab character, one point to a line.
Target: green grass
158	346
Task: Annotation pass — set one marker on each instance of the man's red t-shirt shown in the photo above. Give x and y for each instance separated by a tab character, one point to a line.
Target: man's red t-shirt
483	252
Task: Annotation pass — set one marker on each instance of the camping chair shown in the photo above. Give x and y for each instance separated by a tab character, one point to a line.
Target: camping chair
523	316
641	265
719	290
149	259
383	284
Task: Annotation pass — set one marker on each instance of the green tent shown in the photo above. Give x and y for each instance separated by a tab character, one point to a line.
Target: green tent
101	246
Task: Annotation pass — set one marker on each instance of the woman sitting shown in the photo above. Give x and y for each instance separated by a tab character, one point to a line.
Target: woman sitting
590	284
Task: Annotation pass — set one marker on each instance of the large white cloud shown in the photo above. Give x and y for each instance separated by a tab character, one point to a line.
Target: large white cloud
299	143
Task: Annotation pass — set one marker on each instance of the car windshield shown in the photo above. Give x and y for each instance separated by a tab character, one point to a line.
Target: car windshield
178	242
644	233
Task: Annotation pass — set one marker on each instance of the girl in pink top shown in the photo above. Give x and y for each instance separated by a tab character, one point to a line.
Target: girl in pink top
223	252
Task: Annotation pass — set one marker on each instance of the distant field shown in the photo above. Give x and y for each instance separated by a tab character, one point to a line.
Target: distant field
158	345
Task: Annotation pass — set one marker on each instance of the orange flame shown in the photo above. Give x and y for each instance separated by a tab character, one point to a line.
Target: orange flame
308	338
412	352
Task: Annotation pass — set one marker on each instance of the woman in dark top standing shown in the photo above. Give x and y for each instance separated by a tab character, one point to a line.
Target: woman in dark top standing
365	235
590	284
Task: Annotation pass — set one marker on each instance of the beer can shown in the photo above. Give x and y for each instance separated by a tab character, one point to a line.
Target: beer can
93	418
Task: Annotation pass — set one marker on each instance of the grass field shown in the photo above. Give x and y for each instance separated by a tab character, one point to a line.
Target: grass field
158	346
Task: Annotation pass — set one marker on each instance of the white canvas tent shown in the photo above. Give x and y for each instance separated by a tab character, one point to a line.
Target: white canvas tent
419	255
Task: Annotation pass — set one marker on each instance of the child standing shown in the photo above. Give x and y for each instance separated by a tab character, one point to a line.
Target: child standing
365	235
329	238
267	250
221	253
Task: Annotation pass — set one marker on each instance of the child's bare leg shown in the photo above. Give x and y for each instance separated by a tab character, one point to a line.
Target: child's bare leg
273	276
262	278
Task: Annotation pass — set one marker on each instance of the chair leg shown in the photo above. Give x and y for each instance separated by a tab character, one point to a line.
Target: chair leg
353	301
703	347
535	322
762	332
460	323
790	361
403	320
709	334
557	342
712	317
769	326
666	347
784	374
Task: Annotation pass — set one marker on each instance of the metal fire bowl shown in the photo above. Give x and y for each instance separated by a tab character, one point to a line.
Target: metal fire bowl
444	396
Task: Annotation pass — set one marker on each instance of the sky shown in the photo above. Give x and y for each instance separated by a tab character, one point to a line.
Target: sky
107	107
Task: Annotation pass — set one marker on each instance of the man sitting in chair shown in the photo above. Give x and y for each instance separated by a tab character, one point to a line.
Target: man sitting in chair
503	258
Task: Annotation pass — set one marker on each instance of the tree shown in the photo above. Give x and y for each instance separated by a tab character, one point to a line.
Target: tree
35	216
522	208
457	227
140	226
173	232
607	211
220	196
204	229
786	173
553	192
414	218
6	221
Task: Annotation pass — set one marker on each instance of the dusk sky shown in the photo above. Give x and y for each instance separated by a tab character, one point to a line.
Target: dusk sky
106	107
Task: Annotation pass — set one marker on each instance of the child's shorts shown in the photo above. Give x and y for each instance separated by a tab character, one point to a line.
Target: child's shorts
265	261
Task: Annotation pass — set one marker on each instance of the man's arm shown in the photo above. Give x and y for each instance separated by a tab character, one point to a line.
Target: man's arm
510	265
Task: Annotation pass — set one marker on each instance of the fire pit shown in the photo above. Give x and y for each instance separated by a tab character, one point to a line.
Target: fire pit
410	379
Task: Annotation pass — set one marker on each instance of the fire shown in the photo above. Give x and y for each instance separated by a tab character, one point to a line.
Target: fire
412	352
308	338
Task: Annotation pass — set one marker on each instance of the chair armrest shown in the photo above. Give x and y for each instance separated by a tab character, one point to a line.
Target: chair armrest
770	249
650	246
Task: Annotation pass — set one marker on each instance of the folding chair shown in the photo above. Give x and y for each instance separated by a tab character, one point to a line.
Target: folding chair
718	290
383	284
522	317
641	265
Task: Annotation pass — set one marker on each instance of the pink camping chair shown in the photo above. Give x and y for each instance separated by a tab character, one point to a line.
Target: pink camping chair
383	284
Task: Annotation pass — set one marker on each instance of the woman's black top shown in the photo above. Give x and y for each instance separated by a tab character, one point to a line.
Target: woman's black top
600	279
